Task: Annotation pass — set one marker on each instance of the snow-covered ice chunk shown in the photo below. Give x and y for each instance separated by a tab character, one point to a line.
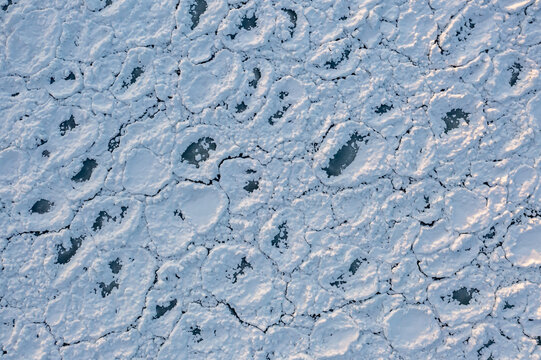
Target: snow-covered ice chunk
285	342
522	244
209	333
30	341
523	182
514	75
456	117
61	78
282	239
201	205
114	345
198	17
283	113
172	292
247	27
333	335
101	74
199	151
464	298
416	154
317	211
245	184
209	84
32	40
136	78
107	297
511	300
12	162
145	173
348	272
335	59
411	328
292	29
71	131
111	220
415	30
466	35
449	260
154	20
357	206
41	208
468	211
243	277
81	40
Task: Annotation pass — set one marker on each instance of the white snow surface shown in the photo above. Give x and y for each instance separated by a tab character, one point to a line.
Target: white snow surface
254	179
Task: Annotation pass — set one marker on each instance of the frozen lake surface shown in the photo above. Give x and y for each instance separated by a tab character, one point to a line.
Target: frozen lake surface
251	179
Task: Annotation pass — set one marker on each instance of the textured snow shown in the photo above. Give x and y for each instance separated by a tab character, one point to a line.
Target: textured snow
289	179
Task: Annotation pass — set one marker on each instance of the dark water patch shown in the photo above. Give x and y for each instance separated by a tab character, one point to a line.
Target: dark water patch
64	256
86	171
515	72
383	108
45	153
465	30
123	210
508	306
257	75
344	157
196	10
280	239
278	114
241	107
114	142
463	295
198	151
333	64
41	206
452	119
52	80
67	125
427	201
98	223
355	265
248	23
251	186
5	7
196	332
239	270
135	74
70	77
339	282
293	18
178	213
107	289
490	234
115	266
161	310
485	346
